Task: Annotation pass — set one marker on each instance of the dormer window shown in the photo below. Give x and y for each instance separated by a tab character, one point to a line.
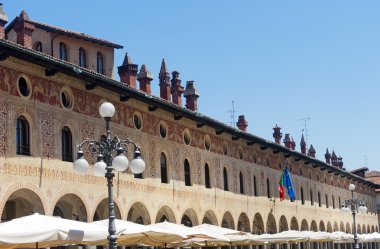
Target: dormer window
39	47
99	63
62	51
82	57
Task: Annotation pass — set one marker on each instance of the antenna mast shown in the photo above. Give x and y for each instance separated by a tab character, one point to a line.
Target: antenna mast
232	113
305	120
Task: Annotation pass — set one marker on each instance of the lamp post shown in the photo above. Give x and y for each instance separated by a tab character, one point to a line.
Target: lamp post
355	206
110	157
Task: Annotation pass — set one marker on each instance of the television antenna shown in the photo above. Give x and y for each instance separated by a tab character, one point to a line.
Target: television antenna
232	115
305	127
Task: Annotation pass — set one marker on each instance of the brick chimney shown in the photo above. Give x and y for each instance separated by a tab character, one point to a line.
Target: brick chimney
328	156
292	143
164	78
334	159
303	145
340	162
128	72
277	134
3	21
191	94
287	141
24	30
311	151
242	124
176	89
145	77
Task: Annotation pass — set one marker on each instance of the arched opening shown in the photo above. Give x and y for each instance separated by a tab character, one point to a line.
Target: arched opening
22	136
294	224
71	207
304	225
225	179
210	218
333	201
348	228
21	203
302	197
101	212
311	198
342	229
165	214
67	145
322	226
243	223
336	227
258	224
187	173
319	200
283	224
99	63
313	226
327	201
207	176
138	213
164	168
271	224
228	221
189	218
268	189
359	229
62	51
255	186
241	181
82	57
329	227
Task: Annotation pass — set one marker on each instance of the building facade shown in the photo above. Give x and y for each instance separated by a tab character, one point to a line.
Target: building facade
198	170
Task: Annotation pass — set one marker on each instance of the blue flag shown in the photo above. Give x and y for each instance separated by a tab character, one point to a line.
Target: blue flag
287	179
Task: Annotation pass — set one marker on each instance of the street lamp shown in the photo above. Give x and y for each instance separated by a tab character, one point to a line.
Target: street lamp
110	157
355	206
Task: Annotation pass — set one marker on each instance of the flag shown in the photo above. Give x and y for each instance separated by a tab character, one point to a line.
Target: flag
287	183
281	187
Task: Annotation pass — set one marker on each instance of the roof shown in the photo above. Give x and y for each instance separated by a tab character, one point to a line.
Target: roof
372	174
126	92
362	169
66	32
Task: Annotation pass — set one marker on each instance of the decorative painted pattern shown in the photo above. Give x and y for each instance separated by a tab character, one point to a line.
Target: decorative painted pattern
47	134
3	127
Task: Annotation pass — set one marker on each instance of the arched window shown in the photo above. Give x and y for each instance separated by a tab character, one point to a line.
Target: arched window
333	202
241	183
62	51
311	198
268	189
99	63
225	179
82	57
340	204
164	169
187	173
302	197
319	200
22	136
255	186
327	201
67	145
207	176
186	221
39	46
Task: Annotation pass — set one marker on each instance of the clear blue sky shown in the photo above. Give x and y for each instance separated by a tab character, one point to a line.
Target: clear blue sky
280	61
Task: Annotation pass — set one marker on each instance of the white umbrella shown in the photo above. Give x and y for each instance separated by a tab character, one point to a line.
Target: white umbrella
48	231
283	237
371	237
194	237
133	233
226	236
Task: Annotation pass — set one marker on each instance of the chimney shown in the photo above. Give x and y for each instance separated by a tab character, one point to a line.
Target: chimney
303	145
277	134
164	78
292	144
24	30
287	141
176	89
340	162
328	156
311	151
145	77
3	21
334	159
128	72
242	124
191	94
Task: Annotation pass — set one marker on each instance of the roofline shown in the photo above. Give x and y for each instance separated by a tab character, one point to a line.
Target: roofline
125	92
58	30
